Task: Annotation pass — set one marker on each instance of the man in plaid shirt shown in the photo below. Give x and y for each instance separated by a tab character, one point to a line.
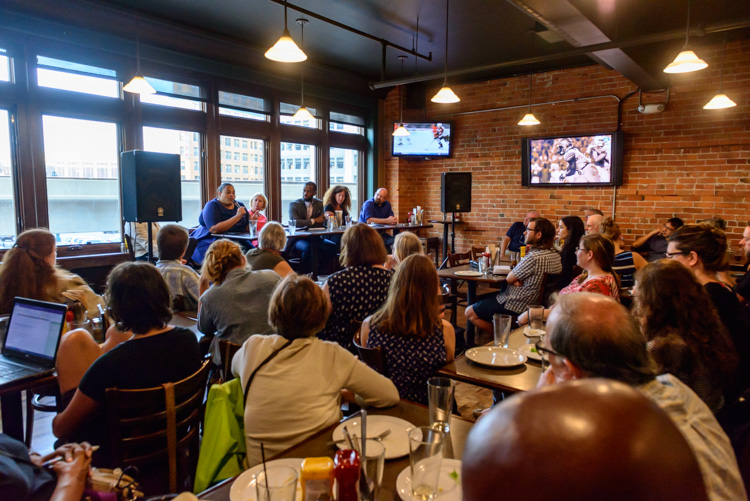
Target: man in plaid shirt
525	281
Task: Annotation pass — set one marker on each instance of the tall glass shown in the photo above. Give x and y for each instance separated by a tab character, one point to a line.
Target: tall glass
536	320
501	329
440	394
425	458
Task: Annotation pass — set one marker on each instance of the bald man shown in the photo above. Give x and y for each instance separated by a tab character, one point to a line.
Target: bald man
378	209
587	440
594	223
514	238
590	335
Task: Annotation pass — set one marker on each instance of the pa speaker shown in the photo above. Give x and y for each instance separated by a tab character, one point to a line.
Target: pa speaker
455	192
151	189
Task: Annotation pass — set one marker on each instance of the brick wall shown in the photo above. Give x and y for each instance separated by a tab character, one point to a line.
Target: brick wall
686	162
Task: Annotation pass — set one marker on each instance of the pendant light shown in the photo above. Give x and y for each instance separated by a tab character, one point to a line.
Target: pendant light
138	85
302	113
529	118
686	61
285	50
720	101
401	130
445	95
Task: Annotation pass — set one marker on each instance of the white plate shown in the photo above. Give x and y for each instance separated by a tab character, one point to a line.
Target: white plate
495	356
525	349
243	489
468	273
529	332
449	488
396	444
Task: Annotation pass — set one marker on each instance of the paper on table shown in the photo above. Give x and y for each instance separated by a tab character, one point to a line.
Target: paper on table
501	269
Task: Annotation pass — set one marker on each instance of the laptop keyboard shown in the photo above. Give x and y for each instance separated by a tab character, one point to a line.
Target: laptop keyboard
13	371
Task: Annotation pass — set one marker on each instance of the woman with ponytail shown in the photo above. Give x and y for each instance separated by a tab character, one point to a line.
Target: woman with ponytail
236	305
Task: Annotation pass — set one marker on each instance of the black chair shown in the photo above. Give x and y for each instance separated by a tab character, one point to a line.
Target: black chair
129	244
372	357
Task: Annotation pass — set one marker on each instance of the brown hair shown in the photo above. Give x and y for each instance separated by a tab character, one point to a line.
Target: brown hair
710	244
362	246
412	307
138	297
330	197
603	249
24	271
671	301
172	241
298	307
547	229
223	256
405	244
610	229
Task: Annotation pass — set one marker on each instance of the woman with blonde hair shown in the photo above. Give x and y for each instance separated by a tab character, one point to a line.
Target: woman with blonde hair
416	342
29	270
404	245
626	263
236	305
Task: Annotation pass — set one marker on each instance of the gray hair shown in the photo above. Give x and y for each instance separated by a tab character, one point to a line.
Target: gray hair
599	336
272	236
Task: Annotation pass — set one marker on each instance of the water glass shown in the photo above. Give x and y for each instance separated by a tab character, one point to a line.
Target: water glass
536	319
253	227
348	220
279	485
292	226
372	466
425	458
339	218
440	393
501	329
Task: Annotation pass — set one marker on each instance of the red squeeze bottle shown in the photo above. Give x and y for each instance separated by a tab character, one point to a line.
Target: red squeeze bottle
346	472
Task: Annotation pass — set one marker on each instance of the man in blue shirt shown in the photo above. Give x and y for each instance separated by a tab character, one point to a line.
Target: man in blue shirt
515	237
378	211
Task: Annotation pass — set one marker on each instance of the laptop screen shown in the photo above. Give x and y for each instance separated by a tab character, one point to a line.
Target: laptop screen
34	329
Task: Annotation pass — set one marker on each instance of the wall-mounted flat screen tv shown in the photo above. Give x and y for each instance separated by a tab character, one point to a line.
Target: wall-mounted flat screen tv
581	160
425	140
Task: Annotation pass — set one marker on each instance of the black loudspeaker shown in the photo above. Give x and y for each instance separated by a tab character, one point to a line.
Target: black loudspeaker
455	192
151	189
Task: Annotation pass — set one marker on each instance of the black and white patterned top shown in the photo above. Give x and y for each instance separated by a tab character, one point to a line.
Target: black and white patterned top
356	292
411	360
530	272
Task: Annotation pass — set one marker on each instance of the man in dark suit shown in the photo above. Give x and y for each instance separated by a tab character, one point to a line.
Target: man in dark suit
308	211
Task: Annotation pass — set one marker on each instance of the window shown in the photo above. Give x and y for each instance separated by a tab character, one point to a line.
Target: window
4	66
244	157
236	143
195	151
244	144
174	94
169	141
288	110
76	77
227	141
72	148
228	155
228	169
246	185
346	163
7	207
291	191
348	124
239	106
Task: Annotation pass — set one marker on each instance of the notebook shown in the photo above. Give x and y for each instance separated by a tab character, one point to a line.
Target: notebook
32	339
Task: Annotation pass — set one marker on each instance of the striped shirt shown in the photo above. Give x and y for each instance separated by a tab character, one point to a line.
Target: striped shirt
182	281
530	272
625	267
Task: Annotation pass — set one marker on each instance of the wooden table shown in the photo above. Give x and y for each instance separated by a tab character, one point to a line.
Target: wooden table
471	293
510	380
317	446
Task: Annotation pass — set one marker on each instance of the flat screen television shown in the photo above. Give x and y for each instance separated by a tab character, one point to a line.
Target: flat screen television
581	160
425	140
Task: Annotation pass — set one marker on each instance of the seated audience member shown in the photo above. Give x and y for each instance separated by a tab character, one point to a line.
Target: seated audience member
139	237
515	237
223	214
742	289
297	381
408	328
236	305
524	281
267	256
589	335
594	223
360	288
685	336
570	230
29	270
138	301
183	281
24	478
717	222
626	262
378	210
590	211
654	244
405	244
598	440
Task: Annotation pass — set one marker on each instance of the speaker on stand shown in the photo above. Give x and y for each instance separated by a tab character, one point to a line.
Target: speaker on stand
455	196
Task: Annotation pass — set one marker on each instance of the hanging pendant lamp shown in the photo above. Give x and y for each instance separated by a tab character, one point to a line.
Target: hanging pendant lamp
686	61
529	118
401	130
720	101
302	113
446	95
285	50
138	85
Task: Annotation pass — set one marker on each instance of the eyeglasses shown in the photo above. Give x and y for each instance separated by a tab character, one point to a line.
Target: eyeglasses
541	349
530	229
671	255
581	249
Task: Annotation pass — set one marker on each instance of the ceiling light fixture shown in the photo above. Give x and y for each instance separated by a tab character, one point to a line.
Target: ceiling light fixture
138	85
401	130
285	50
302	113
720	101
686	61
445	95
529	118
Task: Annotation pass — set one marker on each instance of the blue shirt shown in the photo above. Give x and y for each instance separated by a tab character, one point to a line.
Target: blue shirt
516	235
371	209
213	213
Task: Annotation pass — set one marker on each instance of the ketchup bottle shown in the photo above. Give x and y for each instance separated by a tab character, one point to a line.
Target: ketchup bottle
346	472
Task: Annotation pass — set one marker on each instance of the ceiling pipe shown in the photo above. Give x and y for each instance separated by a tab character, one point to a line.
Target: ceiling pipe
579	51
382	41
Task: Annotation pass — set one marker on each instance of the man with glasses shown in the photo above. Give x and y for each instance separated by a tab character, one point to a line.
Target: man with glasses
653	246
524	282
592	336
515	237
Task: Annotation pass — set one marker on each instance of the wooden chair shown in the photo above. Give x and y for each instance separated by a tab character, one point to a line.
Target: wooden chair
157	430
476	251
450	303
549	286
372	357
129	244
192	244
227	349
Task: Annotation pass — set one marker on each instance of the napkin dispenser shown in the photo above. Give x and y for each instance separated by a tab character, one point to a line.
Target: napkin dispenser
501	269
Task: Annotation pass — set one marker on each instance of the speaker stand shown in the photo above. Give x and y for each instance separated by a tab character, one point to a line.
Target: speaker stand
453	239
150	243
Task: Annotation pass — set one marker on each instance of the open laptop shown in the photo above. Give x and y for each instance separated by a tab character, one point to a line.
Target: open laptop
32	339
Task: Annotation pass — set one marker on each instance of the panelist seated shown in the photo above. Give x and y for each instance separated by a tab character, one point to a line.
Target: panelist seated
223	214
378	210
308	212
337	198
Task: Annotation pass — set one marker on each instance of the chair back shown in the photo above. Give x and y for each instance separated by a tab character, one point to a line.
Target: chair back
476	251
129	244
374	358
157	430
458	259
192	244
549	285
227	349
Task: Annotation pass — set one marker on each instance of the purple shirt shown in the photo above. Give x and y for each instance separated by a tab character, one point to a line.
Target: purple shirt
371	209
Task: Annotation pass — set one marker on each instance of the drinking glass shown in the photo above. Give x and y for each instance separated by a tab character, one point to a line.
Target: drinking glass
292	226
279	485
339	218
425	457
372	466
440	392
348	220
501	329
536	320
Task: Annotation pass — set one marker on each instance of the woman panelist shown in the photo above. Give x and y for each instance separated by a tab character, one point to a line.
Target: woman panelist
223	214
